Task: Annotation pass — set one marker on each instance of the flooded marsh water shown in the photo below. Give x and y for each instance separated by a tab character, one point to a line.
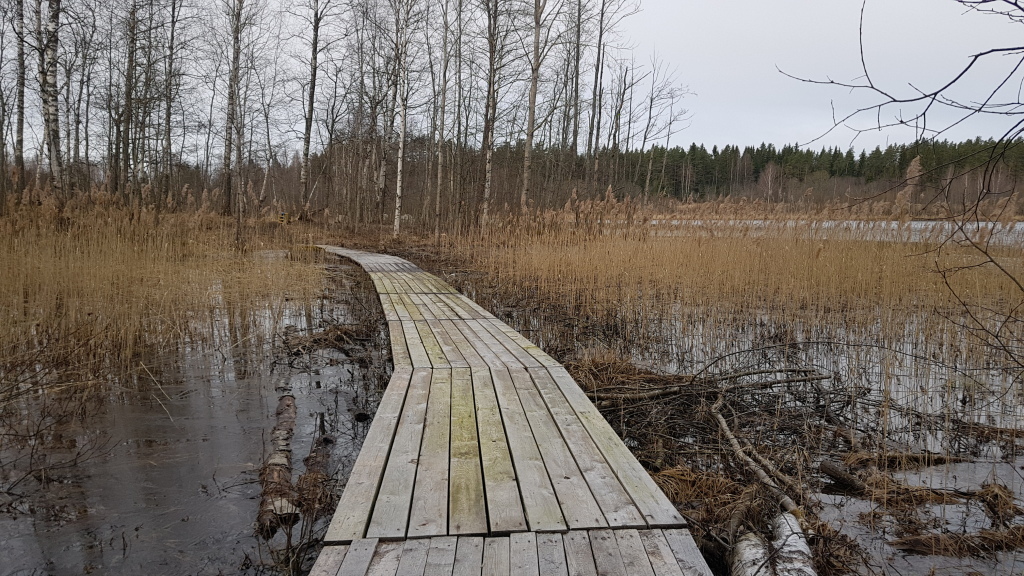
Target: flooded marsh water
159	473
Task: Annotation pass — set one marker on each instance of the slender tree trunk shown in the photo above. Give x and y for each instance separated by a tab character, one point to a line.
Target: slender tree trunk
490	111
314	54
51	112
531	114
440	121
229	121
19	125
402	124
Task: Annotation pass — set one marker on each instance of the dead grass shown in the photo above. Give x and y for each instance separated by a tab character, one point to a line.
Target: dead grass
94	293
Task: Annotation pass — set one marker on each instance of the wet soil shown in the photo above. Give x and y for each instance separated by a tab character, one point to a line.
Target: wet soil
159	474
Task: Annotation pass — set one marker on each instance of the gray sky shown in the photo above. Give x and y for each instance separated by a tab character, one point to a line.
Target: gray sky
727	52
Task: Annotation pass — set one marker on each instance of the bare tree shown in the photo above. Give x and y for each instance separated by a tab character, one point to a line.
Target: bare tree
543	31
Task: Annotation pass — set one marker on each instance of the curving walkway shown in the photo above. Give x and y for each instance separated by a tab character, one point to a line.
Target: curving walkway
485	457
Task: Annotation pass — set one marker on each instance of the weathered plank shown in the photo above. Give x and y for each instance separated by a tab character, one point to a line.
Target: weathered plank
394	500
525	343
353	512
606	553
551	555
390	312
521	354
395	302
660	553
505	509
467	512
399	349
434	350
467	350
633	553
448	345
443	309
441	556
469	556
429	514
687	554
523	552
651	501
358	559
414	558
417	352
386	559
329	561
615	503
496	557
540	504
486	339
578	554
488	356
579	507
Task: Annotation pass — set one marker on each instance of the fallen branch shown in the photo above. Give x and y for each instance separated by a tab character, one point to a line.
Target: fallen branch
277	507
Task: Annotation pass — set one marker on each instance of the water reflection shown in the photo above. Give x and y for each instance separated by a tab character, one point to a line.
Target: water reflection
175	489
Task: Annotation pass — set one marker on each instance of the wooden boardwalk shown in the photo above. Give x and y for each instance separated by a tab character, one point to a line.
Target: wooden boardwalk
486	458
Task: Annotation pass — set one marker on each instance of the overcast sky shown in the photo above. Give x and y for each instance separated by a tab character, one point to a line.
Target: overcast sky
728	52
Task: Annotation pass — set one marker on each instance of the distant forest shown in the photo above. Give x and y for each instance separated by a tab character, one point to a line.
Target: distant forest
442	114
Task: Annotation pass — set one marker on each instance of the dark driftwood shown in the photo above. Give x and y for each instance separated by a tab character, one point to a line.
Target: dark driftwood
277	505
840	476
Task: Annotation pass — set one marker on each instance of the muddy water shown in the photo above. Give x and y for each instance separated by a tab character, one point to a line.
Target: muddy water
166	475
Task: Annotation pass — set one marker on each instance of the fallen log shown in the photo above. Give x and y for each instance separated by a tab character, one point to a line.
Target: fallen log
314	494
277	503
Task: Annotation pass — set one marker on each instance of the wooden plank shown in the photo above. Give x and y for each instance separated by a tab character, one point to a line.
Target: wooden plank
496	557
540	504
579	507
353	512
389	285
504	507
441	556
487	339
521	354
417	352
685	550
469	556
442	309
615	503
649	499
429	515
386	559
378	284
391	510
390	312
466	349
526	344
328	562
467	508
398	305
658	550
434	350
450	349
523	552
425	306
459	304
399	348
607	558
633	553
551	555
414	311
414	558
578	554
479	346
358	559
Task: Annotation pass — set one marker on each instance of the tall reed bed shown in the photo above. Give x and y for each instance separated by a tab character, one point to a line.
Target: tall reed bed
90	294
